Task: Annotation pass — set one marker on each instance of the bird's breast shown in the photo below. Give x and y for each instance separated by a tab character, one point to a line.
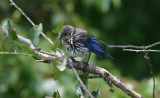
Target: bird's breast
75	48
70	40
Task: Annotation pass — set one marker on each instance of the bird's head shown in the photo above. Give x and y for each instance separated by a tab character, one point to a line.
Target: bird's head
66	32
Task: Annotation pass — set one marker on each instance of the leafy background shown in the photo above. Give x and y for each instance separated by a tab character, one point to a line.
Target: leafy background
117	22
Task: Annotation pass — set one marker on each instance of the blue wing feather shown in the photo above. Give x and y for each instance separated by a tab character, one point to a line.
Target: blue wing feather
94	45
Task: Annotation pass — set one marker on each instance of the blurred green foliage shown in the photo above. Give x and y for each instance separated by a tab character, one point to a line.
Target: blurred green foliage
116	22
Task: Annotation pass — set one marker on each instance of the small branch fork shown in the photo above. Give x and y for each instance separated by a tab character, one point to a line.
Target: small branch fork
134	50
133	46
33	24
145	50
70	63
105	75
151	71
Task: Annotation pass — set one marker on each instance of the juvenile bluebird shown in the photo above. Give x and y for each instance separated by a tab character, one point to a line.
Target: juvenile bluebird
79	42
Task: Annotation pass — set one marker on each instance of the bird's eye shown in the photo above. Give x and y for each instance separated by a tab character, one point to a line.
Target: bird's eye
65	34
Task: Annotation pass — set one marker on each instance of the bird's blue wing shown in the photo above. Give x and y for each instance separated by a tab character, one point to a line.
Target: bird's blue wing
96	46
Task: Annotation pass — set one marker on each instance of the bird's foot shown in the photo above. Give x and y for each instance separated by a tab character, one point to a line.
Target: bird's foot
88	59
71	57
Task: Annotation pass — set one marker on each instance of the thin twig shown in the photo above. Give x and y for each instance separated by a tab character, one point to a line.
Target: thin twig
41	53
134	50
79	79
133	46
15	53
145	50
125	46
151	45
33	24
152	73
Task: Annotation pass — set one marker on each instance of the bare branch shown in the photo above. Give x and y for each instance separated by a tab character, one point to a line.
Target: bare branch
145	50
15	5
105	74
125	46
70	63
149	50
28	41
133	46
152	73
33	24
151	45
142	49
41	53
15	53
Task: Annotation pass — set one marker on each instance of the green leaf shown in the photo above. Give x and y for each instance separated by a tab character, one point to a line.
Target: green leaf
84	78
59	27
35	32
99	91
95	93
10	33
56	94
9	26
55	70
30	51
18	45
13	35
57	44
79	90
23	47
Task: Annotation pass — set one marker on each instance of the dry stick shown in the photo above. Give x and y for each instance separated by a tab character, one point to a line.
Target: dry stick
41	53
151	45
33	24
134	50
152	73
79	79
146	55
15	53
125	46
133	46
105	75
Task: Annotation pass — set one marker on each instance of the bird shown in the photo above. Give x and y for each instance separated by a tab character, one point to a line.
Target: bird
79	43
